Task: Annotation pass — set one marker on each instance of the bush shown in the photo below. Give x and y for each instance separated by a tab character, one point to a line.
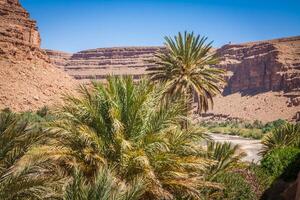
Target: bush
273	125
283	162
235	187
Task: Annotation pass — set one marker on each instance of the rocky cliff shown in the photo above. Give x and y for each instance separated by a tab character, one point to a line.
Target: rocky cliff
251	67
59	58
262	66
19	37
263	78
27	79
98	63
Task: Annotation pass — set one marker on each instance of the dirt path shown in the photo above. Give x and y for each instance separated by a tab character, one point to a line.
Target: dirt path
250	146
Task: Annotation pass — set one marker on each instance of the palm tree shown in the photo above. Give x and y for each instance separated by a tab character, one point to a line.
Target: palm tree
17	136
226	157
225	154
186	68
283	136
125	126
104	187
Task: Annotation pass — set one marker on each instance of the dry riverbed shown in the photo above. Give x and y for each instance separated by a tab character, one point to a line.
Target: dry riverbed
250	146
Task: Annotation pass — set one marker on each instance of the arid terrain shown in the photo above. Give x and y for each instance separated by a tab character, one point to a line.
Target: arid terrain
27	78
123	138
263	78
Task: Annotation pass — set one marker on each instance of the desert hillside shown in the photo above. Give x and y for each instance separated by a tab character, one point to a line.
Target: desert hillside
28	79
263	78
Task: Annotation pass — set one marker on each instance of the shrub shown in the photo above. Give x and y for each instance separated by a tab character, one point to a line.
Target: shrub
273	125
235	187
283	162
287	135
43	112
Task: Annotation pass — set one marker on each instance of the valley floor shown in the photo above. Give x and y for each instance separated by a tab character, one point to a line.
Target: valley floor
265	107
250	146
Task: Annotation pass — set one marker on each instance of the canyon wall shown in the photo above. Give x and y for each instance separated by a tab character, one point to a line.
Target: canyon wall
255	67
96	64
263	78
27	78
262	66
19	36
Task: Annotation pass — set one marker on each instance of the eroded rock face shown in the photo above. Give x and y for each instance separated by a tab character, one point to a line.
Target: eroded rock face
251	67
27	79
98	63
59	58
254	72
19	36
262	66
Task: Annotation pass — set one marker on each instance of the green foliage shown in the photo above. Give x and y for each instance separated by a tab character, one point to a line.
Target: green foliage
186	69
263	178
255	130
235	188
287	135
126	126
243	132
282	162
43	112
225	154
270	126
105	187
18	180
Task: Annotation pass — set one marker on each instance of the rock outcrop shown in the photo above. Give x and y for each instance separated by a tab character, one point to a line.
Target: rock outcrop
96	64
255	67
262	66
263	78
59	58
27	79
19	37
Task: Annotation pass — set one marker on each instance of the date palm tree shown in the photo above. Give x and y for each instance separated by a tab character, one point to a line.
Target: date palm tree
17	136
283	136
105	187
125	126
187	68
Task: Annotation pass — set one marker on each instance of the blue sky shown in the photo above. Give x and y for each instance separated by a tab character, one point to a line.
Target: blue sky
73	25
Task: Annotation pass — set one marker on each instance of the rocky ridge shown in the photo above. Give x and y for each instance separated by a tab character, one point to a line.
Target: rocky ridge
254	67
96	64
263	78
257	67
27	78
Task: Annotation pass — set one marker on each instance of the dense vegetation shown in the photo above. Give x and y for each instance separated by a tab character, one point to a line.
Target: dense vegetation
123	140
254	130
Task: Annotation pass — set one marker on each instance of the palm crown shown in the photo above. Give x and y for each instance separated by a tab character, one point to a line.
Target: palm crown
186	68
126	127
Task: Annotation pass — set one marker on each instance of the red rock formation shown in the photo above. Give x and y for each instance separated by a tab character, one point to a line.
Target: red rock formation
19	37
252	68
59	58
262	66
27	79
98	63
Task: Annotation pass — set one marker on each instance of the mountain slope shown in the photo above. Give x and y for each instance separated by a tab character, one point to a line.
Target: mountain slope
27	78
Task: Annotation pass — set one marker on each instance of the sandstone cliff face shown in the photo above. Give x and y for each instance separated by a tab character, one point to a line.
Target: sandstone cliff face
262	66
58	58
263	78
27	79
251	67
19	37
98	63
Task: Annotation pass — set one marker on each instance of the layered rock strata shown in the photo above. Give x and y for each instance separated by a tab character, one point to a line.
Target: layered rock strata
255	67
263	78
96	64
27	79
262	66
